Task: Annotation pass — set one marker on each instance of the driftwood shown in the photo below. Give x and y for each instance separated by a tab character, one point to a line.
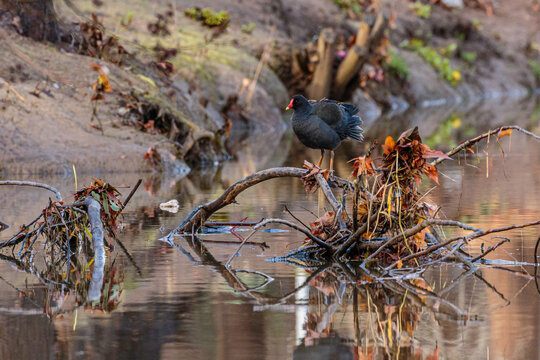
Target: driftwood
351	65
324	82
322	78
34	184
94	215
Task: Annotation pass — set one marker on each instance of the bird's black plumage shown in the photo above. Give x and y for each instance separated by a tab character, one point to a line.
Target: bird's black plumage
324	124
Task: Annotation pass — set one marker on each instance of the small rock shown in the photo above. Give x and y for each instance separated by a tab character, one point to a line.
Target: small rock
453	3
170	206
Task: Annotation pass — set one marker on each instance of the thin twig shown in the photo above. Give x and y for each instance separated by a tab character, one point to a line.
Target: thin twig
131	194
312	237
240	247
490	249
12	89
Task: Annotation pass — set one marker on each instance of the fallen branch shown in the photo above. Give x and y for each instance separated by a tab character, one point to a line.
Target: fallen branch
473	141
416	229
94	215
34	184
465	239
195	220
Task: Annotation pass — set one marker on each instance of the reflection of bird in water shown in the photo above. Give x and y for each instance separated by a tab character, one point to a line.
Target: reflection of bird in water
324	124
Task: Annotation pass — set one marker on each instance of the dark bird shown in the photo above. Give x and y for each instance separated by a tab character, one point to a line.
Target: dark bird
324	124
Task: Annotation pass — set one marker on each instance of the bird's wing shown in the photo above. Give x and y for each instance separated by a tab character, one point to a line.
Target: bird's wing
329	111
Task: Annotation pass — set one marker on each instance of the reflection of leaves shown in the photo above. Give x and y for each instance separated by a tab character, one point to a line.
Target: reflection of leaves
152	156
319	226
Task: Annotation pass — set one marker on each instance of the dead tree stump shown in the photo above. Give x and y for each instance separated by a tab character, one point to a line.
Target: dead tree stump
322	78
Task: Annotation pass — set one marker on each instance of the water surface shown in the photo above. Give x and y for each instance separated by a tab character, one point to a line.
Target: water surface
181	302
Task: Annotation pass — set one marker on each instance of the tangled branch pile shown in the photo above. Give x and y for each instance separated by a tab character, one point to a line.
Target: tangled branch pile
74	244
389	220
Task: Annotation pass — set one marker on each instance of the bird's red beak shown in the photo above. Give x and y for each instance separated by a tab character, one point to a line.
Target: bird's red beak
290	105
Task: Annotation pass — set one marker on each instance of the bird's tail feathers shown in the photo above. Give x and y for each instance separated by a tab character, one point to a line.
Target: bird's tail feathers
355	132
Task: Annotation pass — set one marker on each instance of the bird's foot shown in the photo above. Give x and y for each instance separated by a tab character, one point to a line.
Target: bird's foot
331	175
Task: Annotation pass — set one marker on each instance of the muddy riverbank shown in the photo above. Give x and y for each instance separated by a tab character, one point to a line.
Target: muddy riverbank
208	108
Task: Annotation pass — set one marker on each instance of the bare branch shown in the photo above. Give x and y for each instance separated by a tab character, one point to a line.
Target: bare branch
34	184
472	141
203	212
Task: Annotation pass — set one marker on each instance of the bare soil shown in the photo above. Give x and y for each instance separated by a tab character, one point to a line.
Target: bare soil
51	132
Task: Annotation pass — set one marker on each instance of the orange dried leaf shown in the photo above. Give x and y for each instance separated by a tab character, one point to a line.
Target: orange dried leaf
389	145
96	67
502	133
431	172
98	181
103	81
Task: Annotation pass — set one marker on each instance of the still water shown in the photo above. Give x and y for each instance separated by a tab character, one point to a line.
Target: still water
181	302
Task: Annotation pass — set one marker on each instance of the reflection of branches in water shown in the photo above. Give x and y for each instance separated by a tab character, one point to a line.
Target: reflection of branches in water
87	284
386	311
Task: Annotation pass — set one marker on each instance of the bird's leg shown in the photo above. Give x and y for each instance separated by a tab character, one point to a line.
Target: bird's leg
331	161
320	160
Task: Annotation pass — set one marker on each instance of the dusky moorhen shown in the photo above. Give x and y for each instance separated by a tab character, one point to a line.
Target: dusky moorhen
324	124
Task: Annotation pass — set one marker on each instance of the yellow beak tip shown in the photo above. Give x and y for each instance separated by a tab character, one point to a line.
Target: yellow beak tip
287	108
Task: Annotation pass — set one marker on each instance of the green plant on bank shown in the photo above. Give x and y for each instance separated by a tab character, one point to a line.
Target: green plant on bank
477	24
354	5
248	29
460	36
421	10
449	50
126	21
433	58
208	17
535	66
469	57
396	65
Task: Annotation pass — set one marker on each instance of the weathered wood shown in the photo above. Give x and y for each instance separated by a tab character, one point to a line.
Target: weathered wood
34	184
349	67
94	215
197	218
322	77
352	64
377	30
